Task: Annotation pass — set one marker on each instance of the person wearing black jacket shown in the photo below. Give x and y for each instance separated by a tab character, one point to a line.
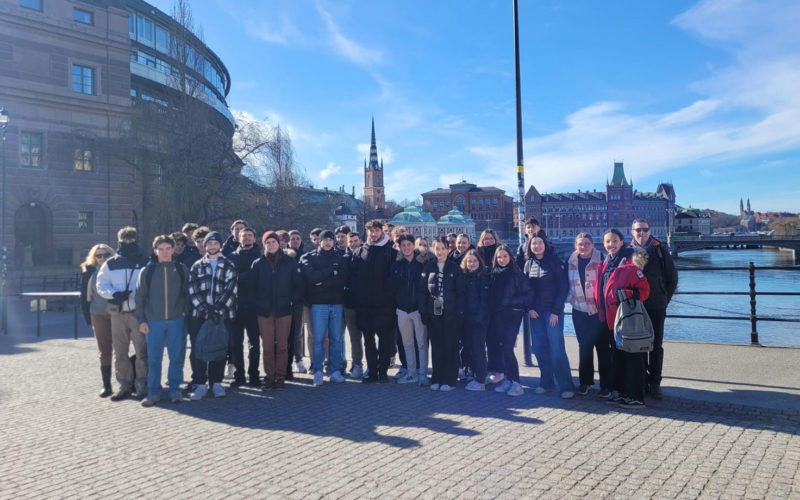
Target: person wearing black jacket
509	297
373	300
531	226
96	310
406	272
232	243
325	275
474	294
548	282
663	279
441	312
274	284
487	245
243	257
350	317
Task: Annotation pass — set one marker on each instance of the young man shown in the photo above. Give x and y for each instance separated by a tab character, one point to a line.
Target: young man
243	258
405	283
373	299
116	282
212	289
325	274
296	333
232	243
350	319
162	297
296	242
191	252
663	279
341	233
313	236
531	227
283	238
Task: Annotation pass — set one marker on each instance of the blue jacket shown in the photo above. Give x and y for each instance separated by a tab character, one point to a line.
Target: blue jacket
548	282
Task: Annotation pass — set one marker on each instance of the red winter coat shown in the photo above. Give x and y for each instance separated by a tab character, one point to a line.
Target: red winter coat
627	277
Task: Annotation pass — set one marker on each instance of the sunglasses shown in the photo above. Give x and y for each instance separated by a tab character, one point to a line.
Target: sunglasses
642	229
102	255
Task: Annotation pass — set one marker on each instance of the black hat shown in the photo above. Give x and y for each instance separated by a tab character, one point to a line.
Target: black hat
327	234
213	236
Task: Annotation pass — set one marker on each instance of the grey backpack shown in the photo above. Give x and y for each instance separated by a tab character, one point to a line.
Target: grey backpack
633	330
211	343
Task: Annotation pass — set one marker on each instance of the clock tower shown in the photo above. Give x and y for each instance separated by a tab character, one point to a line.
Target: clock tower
374	196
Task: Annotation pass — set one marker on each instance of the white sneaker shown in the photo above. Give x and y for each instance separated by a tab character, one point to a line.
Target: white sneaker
317	379
357	372
494	378
199	392
503	387
540	390
408	379
231	370
434	387
301	368
401	373
446	388
475	386
567	395
218	390
515	389
337	377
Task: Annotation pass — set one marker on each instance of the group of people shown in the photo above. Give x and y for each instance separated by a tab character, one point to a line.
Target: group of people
393	293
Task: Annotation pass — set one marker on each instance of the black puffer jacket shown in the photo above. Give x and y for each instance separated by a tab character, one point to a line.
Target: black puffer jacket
274	288
369	279
429	288
243	261
474	296
487	254
661	275
508	289
548	282
405	283
325	275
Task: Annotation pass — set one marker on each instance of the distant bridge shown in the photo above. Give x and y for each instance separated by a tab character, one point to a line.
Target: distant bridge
683	244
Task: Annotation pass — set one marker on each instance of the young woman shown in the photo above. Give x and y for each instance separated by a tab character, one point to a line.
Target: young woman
95	310
487	245
582	269
508	300
617	255
548	282
474	295
439	308
422	246
629	367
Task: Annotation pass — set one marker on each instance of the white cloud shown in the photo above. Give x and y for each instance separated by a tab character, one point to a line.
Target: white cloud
329	170
750	107
278	29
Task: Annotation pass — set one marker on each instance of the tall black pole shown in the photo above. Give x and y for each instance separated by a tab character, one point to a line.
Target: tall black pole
520	162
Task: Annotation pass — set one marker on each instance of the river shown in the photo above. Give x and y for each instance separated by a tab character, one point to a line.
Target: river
733	332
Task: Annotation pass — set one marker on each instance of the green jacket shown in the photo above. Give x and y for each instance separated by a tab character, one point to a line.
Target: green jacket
162	292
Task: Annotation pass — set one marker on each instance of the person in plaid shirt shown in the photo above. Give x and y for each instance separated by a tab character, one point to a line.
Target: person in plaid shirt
212	290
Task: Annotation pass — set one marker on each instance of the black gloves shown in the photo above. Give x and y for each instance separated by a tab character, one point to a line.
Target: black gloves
120	297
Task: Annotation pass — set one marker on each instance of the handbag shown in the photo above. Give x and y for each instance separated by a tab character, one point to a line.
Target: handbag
211	343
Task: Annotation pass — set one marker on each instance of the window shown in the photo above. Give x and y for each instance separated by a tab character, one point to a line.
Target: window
82	79
85	222
83	159
132	25
159	171
31	4
83	16
30	149
144	30
494	202
162	39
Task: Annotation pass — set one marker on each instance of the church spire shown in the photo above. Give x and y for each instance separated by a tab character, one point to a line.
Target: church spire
373	150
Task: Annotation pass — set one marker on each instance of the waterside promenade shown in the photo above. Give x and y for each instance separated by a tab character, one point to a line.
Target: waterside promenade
727	428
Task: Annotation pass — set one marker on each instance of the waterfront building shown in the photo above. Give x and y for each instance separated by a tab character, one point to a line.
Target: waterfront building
487	207
422	224
75	72
692	221
564	215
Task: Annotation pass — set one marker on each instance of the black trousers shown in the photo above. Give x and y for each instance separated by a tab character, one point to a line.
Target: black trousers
629	373
592	336
655	359
384	328
443	334
465	351
505	325
245	322
202	371
476	333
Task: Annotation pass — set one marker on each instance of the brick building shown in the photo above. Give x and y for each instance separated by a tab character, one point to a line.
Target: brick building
488	207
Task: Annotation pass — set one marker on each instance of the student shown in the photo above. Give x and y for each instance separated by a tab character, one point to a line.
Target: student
406	272
243	257
232	243
549	288
299	317
582	269
487	244
116	282
213	291
474	294
350	318
629	367
508	299
96	310
162	296
439	308
190	254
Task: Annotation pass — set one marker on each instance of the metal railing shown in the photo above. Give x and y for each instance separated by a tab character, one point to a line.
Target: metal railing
753	317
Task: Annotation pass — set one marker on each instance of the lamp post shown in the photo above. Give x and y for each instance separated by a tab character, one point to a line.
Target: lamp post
4	249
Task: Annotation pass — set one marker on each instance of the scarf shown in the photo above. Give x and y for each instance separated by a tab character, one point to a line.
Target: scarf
273	258
650	243
582	297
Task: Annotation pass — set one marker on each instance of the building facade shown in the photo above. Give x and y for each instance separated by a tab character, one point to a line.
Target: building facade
73	73
422	224
564	215
488	207
692	221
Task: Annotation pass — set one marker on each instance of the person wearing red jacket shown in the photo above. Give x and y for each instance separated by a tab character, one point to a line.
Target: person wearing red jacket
629	368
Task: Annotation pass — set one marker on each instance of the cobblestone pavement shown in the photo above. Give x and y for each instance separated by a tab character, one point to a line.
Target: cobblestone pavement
351	440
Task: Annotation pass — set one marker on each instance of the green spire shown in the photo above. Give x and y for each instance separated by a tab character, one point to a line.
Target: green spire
619	175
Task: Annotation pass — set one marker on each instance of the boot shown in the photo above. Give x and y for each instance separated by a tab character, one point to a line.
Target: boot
105	371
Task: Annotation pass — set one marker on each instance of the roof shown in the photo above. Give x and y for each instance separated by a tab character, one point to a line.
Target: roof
412	213
619	175
455	216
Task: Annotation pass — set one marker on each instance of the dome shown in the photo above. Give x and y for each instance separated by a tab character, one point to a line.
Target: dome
412	213
455	216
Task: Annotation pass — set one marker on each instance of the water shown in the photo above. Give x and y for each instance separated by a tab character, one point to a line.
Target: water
733	332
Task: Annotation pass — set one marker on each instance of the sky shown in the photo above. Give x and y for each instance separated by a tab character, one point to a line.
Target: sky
705	95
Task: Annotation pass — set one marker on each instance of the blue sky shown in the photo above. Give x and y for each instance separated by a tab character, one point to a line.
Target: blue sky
705	95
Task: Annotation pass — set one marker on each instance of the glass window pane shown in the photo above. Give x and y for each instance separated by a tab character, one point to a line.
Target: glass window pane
132	25
31	4
162	39
83	16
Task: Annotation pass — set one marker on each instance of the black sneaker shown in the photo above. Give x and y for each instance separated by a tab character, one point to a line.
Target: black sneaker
254	382
655	391
189	389
237	383
604	393
383	379
615	398
632	404
369	380
122	394
583	390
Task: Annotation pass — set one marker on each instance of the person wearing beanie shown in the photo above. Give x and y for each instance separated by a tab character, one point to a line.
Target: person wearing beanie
213	292
243	257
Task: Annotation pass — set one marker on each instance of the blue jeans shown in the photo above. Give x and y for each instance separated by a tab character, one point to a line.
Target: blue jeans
548	347
170	332
327	317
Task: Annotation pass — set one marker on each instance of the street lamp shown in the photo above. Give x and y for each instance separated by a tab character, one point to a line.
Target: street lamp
4	249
